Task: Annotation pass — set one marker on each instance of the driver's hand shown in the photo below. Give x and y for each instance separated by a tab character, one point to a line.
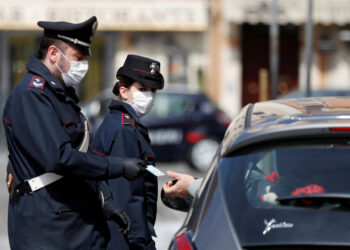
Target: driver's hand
179	189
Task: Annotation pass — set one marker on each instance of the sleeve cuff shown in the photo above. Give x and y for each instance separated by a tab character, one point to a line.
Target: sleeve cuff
115	167
194	186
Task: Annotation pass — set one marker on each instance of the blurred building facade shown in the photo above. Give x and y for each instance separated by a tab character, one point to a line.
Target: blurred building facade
218	46
242	34
172	32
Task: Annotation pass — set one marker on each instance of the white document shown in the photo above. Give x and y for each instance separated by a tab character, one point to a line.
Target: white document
155	171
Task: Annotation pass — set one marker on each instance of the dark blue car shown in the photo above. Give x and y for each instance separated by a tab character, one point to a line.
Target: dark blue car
279	180
183	125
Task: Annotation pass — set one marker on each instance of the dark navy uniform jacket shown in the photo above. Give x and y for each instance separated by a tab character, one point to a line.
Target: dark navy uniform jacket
122	134
44	127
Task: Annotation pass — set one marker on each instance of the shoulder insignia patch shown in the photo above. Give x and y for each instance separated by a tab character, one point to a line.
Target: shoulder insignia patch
127	120
37	82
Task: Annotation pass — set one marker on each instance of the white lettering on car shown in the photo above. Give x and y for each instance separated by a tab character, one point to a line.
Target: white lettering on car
273	225
165	136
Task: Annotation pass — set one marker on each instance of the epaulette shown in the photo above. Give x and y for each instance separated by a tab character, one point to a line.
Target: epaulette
127	120
37	82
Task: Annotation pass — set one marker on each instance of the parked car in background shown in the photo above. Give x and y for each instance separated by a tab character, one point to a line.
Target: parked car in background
183	125
279	180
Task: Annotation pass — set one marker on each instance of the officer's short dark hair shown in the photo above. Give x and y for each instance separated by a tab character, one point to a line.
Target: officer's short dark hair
123	82
46	42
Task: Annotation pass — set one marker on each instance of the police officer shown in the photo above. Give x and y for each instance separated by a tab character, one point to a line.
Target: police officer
123	134
51	204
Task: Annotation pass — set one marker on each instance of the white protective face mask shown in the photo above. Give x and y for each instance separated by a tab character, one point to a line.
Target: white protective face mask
76	72
142	102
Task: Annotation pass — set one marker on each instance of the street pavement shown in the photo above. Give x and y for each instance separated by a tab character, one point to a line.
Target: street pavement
167	223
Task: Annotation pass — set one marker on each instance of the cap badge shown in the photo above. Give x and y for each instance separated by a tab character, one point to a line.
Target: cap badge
154	68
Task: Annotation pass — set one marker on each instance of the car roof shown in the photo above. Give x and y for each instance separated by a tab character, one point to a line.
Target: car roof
288	119
298	93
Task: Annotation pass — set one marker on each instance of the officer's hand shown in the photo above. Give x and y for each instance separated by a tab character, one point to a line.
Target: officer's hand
133	168
123	220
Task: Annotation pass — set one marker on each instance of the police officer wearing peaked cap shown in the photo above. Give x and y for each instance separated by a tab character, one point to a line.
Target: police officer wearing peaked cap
52	206
123	134
143	70
77	35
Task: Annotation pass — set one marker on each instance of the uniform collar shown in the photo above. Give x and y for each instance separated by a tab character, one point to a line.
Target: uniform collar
125	107
37	67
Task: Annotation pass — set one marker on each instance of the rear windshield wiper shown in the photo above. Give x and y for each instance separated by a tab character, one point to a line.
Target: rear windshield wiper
318	201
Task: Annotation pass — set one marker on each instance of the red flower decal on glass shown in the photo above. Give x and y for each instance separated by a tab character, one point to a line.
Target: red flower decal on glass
309	189
273	177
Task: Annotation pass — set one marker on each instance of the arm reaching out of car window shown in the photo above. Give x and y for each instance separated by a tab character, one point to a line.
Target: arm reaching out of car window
184	187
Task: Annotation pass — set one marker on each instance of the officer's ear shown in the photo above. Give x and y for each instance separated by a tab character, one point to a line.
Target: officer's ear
53	54
123	91
51	58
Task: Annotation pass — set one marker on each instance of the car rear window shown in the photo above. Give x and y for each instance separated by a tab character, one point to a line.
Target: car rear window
289	185
166	105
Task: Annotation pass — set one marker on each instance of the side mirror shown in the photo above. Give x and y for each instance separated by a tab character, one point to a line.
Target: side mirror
180	204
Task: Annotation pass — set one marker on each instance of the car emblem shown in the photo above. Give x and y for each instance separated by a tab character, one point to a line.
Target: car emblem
154	68
272	224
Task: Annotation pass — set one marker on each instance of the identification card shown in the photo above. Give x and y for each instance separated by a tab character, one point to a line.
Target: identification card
155	171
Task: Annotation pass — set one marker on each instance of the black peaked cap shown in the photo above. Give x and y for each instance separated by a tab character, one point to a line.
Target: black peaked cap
78	35
143	70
